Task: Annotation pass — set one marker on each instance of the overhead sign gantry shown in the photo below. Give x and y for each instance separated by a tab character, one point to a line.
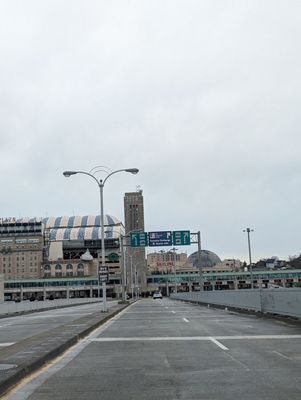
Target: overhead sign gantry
160	238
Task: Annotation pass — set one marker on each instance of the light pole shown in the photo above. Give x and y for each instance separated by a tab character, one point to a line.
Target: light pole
101	184
248	230
174	264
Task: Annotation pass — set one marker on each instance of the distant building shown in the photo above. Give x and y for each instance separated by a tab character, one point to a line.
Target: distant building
165	262
21	248
74	246
208	259
230	264
135	257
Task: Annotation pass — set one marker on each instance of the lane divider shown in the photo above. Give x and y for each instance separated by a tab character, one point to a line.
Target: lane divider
219	344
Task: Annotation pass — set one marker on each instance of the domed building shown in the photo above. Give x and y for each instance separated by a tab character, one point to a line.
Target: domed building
74	245
208	259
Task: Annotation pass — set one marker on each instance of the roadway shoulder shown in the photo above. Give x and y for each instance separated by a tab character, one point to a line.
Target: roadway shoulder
25	357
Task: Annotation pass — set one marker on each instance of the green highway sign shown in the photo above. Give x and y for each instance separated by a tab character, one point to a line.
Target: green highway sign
139	239
162	238
181	238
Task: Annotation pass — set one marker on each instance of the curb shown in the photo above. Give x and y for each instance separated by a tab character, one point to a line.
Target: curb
33	365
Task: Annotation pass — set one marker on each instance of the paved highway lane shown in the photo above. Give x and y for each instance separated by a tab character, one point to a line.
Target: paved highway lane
17	328
173	350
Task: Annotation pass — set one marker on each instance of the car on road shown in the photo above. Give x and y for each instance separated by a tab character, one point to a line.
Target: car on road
157	295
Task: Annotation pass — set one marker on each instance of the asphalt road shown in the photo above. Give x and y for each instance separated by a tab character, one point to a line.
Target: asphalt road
172	350
16	328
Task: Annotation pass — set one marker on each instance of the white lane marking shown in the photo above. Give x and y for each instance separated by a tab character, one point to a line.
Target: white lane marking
248	337
218	343
144	312
187	338
282	355
7	344
173	312
59	315
31	383
185	319
238	362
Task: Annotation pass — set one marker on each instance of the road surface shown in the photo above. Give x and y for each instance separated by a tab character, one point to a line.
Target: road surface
167	350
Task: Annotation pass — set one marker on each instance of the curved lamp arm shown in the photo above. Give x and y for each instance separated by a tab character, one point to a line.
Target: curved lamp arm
131	170
67	174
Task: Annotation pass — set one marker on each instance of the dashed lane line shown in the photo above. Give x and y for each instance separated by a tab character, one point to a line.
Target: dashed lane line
218	343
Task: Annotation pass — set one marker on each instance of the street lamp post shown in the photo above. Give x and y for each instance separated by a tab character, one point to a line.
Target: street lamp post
101	184
248	230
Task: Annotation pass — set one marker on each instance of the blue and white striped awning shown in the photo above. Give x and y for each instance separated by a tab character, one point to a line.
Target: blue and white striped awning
78	221
85	227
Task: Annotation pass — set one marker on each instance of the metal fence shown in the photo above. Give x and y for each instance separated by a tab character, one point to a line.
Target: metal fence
275	301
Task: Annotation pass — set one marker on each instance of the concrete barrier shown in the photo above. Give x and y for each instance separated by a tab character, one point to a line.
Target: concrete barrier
25	306
274	301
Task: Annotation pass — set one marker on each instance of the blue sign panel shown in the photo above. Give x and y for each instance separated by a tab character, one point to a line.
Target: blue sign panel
163	238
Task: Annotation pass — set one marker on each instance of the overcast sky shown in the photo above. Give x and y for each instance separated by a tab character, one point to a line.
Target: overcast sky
202	96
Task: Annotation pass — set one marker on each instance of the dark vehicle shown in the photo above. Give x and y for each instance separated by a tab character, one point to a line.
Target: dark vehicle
51	297
32	298
17	300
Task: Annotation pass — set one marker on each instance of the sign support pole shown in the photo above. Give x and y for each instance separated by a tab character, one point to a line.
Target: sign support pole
199	260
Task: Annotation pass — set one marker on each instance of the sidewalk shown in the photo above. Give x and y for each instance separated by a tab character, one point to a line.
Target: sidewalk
25	357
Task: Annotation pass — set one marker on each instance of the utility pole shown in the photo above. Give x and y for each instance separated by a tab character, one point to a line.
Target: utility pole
248	230
199	260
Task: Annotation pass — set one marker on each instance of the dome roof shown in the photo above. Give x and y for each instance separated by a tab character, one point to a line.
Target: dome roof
208	259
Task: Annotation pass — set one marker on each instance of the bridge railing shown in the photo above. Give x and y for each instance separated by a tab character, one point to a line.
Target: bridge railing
275	301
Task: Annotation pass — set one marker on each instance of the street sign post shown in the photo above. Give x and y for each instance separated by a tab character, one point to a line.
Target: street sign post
103	273
138	239
181	238
103	278
163	238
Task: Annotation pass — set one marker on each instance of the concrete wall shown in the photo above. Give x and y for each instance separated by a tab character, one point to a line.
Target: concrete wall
275	301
